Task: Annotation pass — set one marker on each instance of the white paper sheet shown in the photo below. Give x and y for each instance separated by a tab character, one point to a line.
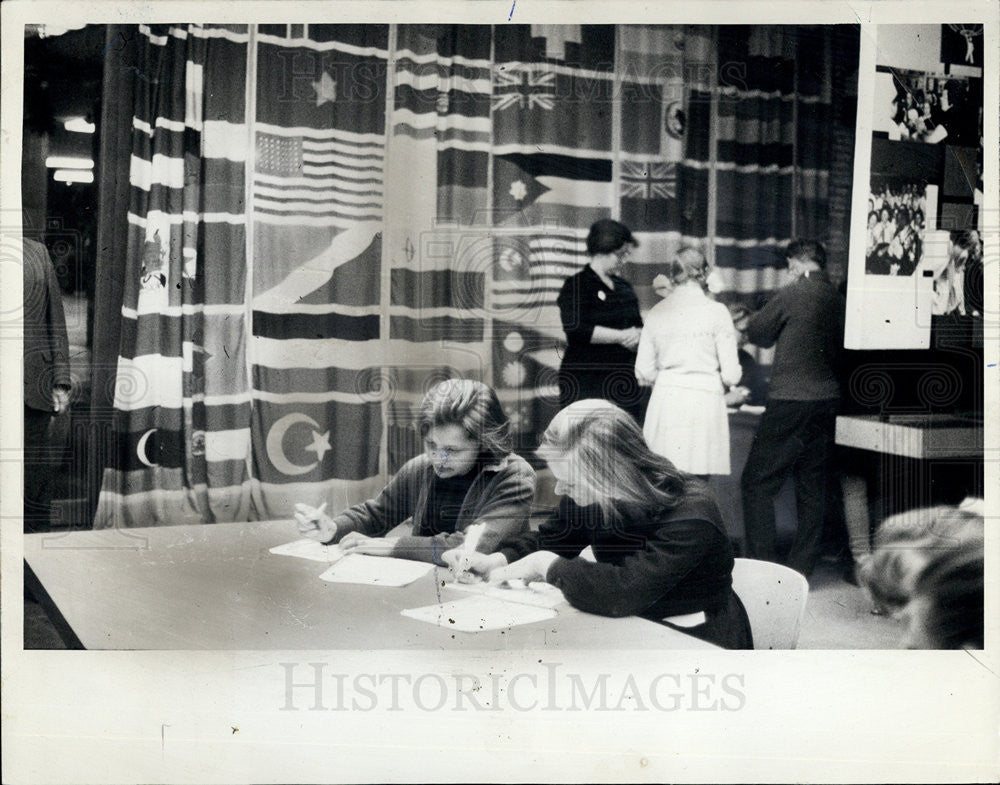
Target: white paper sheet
310	549
479	614
376	570
540	595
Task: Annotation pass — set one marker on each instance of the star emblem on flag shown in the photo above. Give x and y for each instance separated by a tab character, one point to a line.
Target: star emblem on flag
518	190
524	88
320	444
511	260
648	180
514	374
326	89
520	420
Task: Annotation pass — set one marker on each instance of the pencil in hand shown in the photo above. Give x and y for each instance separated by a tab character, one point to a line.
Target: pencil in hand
314	523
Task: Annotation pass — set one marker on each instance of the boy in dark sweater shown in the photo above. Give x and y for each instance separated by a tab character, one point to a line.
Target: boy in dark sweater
804	321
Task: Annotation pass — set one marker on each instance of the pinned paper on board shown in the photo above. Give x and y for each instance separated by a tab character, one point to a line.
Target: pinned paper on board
310	549
479	613
376	570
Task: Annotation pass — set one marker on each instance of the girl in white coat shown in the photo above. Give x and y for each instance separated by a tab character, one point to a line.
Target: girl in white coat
688	352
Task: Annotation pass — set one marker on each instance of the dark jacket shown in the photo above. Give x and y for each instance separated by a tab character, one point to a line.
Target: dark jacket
500	497
654	565
46	346
585	302
804	321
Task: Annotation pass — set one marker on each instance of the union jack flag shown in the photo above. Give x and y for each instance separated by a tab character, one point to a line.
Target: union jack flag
648	180
523	87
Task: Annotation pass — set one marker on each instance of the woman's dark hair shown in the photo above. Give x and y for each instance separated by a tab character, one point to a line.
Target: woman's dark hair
607	236
949	597
472	405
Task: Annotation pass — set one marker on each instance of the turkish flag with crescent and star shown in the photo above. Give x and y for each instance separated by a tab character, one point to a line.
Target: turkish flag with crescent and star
318	200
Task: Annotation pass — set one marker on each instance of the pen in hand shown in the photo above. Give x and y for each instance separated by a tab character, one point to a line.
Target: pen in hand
311	521
472	536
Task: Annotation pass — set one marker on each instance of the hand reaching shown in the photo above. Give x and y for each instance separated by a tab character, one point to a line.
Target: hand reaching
533	567
471	566
356	542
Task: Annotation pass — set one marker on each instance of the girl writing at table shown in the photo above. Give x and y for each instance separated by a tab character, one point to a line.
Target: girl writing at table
660	545
466	475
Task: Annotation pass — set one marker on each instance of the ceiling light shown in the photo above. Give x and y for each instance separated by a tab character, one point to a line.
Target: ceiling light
67	162
52	31
70	176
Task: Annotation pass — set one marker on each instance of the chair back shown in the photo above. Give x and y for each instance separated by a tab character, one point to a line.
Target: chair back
775	599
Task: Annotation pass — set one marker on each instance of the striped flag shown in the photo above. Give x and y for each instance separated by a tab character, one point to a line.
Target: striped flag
553	176
438	247
666	76
528	273
549	189
284	361
181	394
442	94
324	178
318	203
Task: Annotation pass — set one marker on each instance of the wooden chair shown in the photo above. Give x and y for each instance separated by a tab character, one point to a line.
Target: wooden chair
775	599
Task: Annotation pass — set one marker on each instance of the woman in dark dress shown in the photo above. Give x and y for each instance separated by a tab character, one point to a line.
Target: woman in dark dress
600	316
660	545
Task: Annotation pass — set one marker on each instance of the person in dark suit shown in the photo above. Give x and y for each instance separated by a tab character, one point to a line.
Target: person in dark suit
47	381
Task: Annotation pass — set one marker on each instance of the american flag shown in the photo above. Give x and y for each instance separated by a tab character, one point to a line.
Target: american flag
523	87
648	180
322	178
527	288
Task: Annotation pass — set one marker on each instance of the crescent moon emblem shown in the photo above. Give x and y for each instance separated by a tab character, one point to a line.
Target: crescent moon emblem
140	448
276	436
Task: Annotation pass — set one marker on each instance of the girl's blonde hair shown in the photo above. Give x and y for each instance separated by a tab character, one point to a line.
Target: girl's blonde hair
688	265
472	405
612	457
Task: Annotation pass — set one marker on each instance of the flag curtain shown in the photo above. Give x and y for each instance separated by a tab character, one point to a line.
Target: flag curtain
318	211
772	144
181	399
326	220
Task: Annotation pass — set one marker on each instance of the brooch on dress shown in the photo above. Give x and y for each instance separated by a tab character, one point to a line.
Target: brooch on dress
601	295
